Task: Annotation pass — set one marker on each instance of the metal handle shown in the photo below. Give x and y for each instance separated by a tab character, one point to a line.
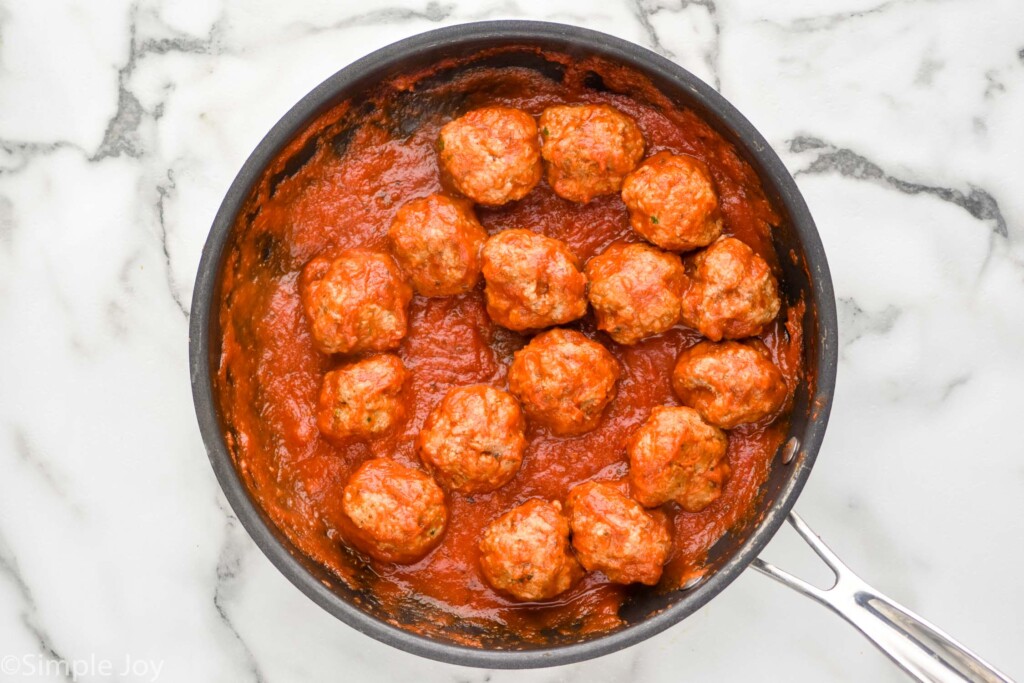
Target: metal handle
919	648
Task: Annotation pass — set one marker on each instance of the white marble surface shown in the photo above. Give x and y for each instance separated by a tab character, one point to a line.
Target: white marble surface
121	126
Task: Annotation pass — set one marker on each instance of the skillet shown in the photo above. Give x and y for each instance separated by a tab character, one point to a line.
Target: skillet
919	648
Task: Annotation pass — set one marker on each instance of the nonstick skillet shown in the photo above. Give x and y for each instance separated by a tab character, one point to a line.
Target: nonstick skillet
919	648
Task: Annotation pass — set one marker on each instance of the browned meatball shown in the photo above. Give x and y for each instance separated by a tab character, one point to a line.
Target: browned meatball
676	455
473	440
437	242
355	302
588	148
615	535
491	155
362	399
729	383
732	292
564	380
525	552
533	281
636	291
394	513
672	202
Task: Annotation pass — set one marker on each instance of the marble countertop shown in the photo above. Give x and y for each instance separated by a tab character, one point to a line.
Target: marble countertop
122	125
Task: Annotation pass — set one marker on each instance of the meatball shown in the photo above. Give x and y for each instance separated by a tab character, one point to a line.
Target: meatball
612	533
437	242
636	291
395	513
532	281
473	440
525	553
672	202
564	381
355	302
362	399
491	155
678	456
729	383
732	292
589	149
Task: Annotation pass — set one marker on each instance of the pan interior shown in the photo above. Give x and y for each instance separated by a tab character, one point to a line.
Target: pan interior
411	107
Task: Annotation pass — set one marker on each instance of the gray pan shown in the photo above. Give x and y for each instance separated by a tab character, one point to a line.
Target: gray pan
919	648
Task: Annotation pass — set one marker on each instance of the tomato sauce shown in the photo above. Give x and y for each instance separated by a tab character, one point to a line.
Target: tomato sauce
338	185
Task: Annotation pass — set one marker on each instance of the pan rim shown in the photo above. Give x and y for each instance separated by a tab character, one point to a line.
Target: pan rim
393	56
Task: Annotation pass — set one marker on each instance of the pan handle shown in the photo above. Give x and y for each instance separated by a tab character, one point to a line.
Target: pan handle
919	648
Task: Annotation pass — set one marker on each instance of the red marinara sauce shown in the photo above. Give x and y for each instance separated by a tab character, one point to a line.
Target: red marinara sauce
338	185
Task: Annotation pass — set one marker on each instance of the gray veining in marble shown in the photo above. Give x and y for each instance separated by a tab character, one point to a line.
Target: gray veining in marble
122	123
